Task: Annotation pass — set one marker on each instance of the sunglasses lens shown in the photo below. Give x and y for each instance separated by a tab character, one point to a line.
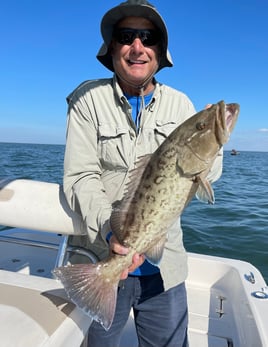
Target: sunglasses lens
148	37
126	36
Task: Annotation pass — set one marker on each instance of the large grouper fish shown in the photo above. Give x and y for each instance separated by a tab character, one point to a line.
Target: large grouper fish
160	187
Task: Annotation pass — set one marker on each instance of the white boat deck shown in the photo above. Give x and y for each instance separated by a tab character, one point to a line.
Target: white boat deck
222	310
34	312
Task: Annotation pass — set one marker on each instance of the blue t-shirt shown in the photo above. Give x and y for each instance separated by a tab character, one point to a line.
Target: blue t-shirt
135	101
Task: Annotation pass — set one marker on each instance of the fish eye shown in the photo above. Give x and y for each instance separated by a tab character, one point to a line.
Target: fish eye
200	125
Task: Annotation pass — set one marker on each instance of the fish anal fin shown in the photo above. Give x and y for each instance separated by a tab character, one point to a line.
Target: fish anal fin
205	191
90	290
155	253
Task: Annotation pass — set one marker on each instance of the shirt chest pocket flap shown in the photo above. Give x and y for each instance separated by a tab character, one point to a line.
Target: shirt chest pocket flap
113	146
163	129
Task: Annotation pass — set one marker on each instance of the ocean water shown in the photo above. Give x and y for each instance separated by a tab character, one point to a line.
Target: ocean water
236	226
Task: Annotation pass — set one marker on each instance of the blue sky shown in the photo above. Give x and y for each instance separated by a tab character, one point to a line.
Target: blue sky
48	47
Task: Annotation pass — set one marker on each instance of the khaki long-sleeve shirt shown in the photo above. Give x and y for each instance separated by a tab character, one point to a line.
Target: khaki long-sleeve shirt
103	145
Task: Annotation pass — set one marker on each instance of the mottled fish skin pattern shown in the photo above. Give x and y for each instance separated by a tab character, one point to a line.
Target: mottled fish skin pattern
159	189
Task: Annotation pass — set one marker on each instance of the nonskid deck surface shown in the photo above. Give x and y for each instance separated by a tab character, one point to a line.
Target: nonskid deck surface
32	253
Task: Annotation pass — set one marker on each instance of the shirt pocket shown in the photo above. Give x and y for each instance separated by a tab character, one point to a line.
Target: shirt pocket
153	135
163	129
113	147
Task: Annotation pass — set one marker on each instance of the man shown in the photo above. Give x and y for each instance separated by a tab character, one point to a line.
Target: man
111	123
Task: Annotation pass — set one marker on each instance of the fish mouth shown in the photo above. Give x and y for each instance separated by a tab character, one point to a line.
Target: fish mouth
227	115
231	115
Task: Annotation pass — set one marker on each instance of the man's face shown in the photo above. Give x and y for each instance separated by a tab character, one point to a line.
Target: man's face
134	62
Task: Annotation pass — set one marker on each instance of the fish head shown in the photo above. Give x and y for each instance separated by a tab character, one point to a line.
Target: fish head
203	136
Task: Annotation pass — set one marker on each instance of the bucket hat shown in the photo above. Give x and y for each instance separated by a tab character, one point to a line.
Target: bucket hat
136	8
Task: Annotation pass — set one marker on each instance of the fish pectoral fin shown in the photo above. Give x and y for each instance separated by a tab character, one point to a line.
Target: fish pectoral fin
205	191
92	292
154	254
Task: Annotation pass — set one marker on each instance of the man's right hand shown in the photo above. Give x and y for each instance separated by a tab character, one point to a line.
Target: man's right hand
117	248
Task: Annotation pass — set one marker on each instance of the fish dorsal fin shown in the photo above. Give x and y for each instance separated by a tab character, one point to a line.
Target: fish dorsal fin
154	254
122	208
205	191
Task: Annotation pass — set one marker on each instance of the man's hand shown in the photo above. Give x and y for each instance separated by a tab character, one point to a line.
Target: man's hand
117	248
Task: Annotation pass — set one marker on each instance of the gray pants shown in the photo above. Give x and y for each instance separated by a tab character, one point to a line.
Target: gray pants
161	317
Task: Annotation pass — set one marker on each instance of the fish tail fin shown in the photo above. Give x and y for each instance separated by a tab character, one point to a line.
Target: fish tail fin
91	290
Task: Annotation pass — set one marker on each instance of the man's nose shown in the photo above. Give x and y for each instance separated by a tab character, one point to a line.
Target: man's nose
137	44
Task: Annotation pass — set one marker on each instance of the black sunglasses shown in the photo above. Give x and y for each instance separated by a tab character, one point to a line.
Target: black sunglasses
125	36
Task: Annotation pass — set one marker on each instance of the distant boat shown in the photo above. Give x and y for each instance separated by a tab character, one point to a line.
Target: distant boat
234	152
